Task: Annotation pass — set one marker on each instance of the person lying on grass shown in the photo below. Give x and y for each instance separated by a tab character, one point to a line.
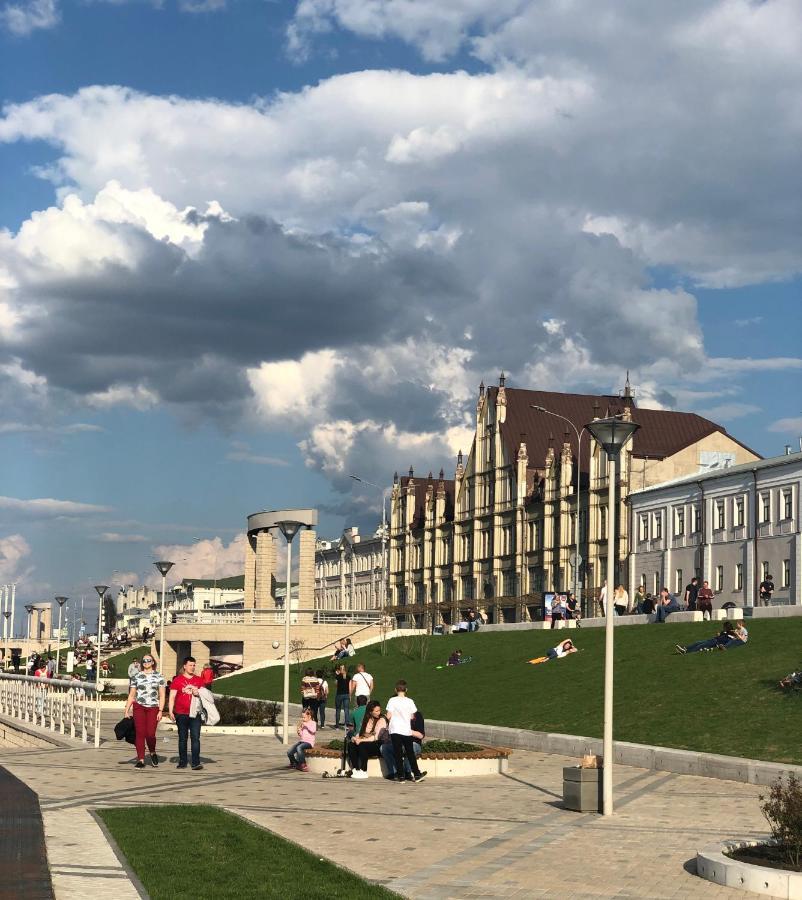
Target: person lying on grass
730	637
562	649
791	681
455	659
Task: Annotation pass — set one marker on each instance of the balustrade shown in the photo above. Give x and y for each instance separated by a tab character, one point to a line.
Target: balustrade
69	707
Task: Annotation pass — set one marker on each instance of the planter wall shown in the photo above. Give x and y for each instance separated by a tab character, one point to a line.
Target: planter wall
714	865
436	765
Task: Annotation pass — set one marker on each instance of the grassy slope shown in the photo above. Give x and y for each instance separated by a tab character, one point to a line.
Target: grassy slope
718	702
120	661
208	853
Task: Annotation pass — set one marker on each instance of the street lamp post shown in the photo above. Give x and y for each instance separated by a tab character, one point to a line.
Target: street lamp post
289	529
578	561
385	493
101	593
29	610
612	433
61	601
164	567
7	615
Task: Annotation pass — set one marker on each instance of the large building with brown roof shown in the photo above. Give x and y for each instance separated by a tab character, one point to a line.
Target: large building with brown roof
508	527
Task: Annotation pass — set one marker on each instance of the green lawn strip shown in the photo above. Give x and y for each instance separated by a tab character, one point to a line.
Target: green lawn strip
199	852
720	702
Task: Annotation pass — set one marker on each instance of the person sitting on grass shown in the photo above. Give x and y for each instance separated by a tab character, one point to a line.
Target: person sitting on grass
368	742
306	731
730	637
562	649
455	659
338	646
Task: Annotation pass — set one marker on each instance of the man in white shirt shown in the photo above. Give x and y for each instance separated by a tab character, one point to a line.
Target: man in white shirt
400	710
361	684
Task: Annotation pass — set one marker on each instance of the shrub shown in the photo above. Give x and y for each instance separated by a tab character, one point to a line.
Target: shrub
783	811
235	711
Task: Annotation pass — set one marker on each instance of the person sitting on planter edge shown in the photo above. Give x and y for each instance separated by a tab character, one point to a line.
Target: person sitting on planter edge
666	605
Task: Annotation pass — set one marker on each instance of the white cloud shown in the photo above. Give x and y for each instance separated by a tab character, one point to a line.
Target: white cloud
35	428
114	537
298	388
748	323
48	508
791	425
726	412
241	452
14	550
208	558
29	15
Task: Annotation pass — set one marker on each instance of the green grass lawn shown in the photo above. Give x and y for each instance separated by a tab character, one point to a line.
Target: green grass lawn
720	702
199	852
120	661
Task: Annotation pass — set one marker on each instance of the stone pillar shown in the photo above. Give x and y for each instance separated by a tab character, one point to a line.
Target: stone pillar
265	570
306	568
250	572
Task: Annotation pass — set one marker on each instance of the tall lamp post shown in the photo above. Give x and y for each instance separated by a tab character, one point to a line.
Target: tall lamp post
29	610
7	615
612	434
61	601
101	593
164	567
385	492
289	529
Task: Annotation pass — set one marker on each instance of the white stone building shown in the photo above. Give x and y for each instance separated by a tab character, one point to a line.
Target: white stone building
734	528
348	572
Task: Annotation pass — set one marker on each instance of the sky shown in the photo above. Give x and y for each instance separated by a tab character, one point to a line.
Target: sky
248	248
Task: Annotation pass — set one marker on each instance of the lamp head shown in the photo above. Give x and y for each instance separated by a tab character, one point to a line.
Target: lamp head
7	614
289	529
612	433
163	566
61	600
29	608
101	590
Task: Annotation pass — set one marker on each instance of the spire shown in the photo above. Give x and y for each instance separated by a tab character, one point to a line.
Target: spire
430	475
395	478
459	458
502	379
482	388
595	409
442	473
411	473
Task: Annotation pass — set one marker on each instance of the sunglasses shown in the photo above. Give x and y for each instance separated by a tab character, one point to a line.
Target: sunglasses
146	659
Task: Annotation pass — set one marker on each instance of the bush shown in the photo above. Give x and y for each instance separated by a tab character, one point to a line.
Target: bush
783	812
235	711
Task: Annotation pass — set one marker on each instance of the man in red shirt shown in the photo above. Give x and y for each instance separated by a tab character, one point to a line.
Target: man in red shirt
182	690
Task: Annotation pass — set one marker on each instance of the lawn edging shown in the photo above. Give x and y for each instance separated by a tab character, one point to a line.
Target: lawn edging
641	756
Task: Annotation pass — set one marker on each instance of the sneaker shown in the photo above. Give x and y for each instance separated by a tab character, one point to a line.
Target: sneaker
292	766
359	774
303	768
420	776
154	760
197	768
181	766
680	648
140	764
399	779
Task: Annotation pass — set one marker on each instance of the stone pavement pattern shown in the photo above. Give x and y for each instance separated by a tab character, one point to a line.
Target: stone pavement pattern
500	836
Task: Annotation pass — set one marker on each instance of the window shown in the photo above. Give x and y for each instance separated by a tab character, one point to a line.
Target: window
509	584
418	592
697	519
719	514
535	578
739	576
656	585
786	573
643	528
484	538
678	583
643	581
602	522
788	504
764	571
402	595
738	511
765	507
467	587
658	526
719	578
506	540
679	521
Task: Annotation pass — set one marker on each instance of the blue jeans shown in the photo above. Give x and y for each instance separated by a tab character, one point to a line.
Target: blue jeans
342	703
709	644
662	611
188	728
321	712
296	753
388	755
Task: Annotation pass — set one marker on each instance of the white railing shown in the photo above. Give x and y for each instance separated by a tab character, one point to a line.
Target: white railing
68	707
276	617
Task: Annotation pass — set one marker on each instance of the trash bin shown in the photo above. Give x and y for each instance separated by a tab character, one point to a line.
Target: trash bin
582	789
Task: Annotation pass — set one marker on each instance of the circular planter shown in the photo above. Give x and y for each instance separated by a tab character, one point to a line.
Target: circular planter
714	865
322	761
228	729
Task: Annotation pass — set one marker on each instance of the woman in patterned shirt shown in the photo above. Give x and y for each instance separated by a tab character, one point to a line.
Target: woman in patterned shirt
145	703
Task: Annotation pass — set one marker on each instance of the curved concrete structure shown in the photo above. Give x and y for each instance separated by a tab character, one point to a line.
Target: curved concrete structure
271	518
714	865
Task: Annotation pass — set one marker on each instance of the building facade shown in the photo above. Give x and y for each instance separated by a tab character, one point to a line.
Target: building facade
733	528
512	523
350	573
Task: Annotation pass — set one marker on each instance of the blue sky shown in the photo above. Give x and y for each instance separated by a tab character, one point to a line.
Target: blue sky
405	198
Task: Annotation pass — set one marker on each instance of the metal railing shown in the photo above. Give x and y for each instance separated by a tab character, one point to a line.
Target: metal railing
67	707
276	617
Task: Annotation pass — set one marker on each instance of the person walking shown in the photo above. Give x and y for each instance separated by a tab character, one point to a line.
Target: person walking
145	704
342	697
361	684
183	688
766	590
400	711
322	697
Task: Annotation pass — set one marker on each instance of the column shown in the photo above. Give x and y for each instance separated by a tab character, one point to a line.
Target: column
306	569
265	570
250	571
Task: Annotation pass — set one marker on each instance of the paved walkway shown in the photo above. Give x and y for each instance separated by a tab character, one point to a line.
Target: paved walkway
499	836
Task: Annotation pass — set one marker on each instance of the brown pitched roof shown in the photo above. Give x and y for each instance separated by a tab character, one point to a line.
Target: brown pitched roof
662	432
421	486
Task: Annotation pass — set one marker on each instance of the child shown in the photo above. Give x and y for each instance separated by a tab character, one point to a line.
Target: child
400	710
306	730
